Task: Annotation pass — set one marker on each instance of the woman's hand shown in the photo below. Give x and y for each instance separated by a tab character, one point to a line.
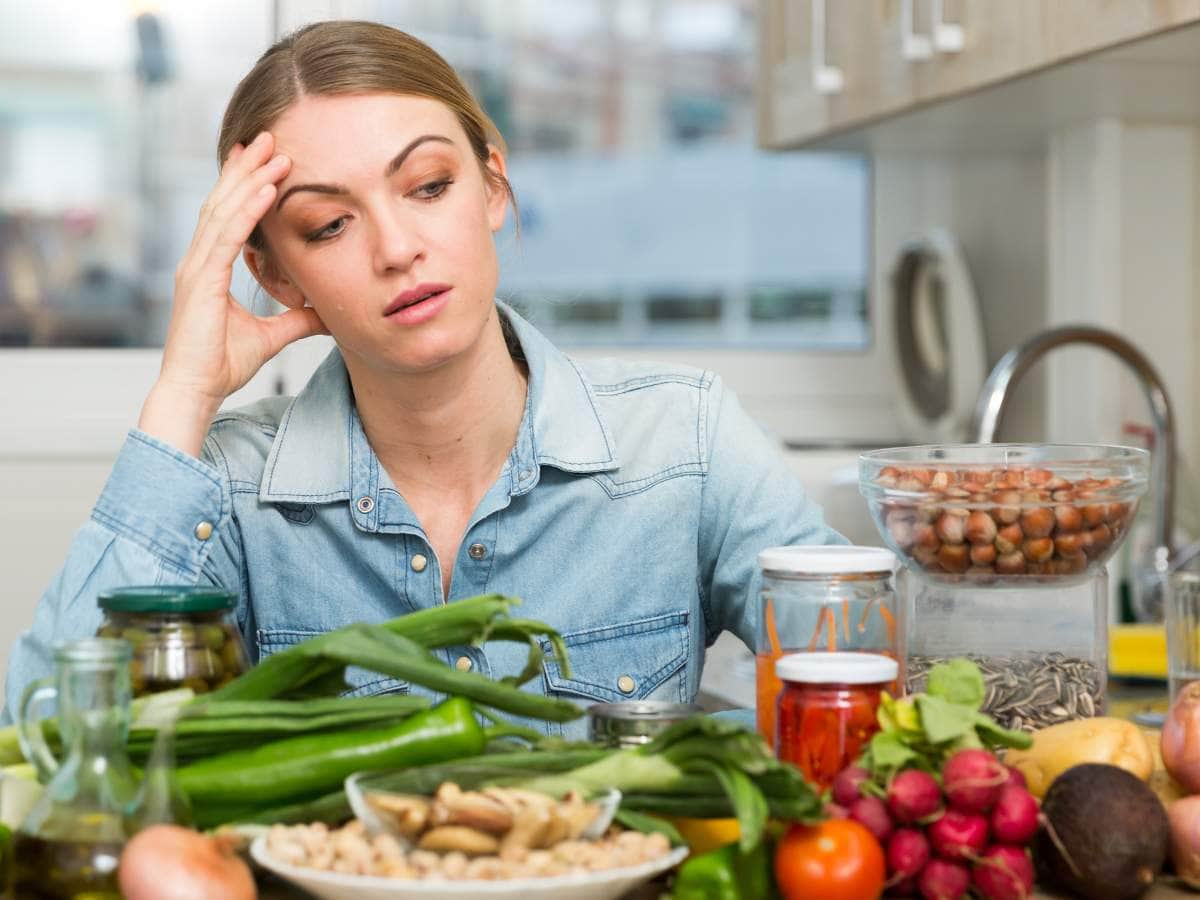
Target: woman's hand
214	346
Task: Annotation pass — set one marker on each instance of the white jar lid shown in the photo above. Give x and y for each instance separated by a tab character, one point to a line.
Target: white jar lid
827	559
837	668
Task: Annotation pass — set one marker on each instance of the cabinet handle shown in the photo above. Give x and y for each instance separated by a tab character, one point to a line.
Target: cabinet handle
914	46
947	37
827	79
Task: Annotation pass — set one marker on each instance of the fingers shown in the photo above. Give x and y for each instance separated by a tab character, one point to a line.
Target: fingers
240	163
230	222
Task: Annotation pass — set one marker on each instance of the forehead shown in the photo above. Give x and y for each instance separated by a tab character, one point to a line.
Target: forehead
317	132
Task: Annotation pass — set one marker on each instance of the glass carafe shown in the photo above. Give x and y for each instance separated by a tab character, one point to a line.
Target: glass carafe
70	843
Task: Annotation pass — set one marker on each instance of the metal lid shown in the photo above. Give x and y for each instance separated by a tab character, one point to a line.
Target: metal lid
831	559
837	668
167	598
635	721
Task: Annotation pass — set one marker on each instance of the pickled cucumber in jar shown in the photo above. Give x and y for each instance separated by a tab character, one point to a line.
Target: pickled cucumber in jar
182	636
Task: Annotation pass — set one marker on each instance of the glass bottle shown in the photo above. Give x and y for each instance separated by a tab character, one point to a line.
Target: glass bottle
70	843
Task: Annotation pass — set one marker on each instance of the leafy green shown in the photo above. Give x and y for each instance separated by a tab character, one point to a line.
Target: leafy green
921	731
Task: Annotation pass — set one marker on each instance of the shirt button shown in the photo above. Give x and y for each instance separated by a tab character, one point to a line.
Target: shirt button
418	563
626	685
477	551
463	664
204	531
365	504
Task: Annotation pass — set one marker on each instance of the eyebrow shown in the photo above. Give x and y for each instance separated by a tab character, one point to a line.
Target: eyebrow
392	168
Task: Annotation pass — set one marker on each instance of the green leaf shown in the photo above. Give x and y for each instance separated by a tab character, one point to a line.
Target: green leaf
957	681
944	721
889	752
995	736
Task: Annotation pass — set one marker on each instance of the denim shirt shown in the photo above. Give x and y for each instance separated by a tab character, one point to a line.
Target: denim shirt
628	515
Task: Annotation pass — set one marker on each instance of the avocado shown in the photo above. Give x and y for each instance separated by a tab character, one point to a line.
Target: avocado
1104	833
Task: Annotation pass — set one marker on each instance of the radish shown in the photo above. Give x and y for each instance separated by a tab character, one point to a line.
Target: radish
871	812
1014	818
913	795
958	835
845	786
944	880
972	780
907	853
1004	872
1015	777
906	887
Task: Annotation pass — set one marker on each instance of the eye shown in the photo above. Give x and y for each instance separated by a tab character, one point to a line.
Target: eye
333	229
433	189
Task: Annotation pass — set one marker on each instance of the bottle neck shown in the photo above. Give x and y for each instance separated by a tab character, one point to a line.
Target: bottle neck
94	707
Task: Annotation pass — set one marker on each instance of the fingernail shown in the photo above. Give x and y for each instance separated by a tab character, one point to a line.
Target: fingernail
280	160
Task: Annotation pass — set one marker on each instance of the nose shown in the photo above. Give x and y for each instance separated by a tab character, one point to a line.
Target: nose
397	242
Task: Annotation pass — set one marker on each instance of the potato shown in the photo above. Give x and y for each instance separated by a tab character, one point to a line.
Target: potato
1100	740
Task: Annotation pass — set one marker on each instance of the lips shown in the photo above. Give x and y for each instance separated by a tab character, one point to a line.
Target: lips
419	294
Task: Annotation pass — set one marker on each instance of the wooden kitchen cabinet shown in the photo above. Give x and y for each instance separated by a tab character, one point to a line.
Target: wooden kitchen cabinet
864	40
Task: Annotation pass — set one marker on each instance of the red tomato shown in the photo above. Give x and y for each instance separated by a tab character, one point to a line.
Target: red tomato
836	860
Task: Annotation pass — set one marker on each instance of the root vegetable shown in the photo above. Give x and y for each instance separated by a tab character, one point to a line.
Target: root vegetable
944	880
1015	777
167	862
1181	738
845	786
1102	739
907	853
871	812
1014	818
1184	816
958	835
1003	872
972	780
913	795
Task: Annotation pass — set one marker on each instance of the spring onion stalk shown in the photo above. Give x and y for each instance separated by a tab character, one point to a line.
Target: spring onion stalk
698	762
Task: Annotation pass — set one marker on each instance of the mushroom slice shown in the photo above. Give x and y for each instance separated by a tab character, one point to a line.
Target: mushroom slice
473	810
448	838
578	815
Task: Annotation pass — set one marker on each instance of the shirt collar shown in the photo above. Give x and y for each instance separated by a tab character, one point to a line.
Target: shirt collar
310	458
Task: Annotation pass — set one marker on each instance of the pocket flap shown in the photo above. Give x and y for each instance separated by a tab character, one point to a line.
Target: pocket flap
360	682
628	661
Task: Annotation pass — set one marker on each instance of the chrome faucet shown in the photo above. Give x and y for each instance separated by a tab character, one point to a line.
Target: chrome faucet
989	410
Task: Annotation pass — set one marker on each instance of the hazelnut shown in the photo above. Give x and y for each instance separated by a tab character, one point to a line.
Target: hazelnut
940	481
1037	522
1068	518
954	558
1038	550
1095	514
1009	538
888	476
926	556
1040	477
926	537
950	527
1010	563
983	554
980	528
1008	506
1068	544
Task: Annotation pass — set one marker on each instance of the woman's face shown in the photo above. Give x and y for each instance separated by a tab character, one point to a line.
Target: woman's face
384	204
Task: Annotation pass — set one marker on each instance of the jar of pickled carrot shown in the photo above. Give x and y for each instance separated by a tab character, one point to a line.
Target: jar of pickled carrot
826	710
821	598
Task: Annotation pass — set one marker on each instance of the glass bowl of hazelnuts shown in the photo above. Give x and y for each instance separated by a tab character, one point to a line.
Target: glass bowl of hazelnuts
990	512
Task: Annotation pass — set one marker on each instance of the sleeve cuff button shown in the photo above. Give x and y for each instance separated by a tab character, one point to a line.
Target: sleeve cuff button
204	531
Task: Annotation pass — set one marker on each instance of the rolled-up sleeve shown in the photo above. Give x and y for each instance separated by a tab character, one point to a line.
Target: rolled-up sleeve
751	500
163	517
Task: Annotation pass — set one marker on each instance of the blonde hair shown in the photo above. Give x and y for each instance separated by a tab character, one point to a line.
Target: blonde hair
348	57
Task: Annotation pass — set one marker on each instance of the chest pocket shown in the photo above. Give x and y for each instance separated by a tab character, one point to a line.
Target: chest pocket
361	682
639	660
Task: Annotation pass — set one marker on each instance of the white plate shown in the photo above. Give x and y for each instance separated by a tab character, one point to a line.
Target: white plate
606	885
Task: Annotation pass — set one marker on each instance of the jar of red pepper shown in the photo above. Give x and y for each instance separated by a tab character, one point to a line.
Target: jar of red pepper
827	707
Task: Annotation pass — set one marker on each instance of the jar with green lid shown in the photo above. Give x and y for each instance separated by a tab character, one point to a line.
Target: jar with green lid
182	636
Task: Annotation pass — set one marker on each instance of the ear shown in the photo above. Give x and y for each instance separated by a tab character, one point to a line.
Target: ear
273	281
497	197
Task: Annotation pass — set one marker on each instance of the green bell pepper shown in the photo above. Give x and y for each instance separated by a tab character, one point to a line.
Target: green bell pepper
727	874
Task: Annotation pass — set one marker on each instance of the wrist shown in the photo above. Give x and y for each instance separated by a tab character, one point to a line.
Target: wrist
178	416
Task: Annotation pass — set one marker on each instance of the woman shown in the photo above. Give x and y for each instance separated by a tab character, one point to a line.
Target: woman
445	448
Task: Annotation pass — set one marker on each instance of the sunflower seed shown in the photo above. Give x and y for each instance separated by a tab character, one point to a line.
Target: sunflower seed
1028	692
